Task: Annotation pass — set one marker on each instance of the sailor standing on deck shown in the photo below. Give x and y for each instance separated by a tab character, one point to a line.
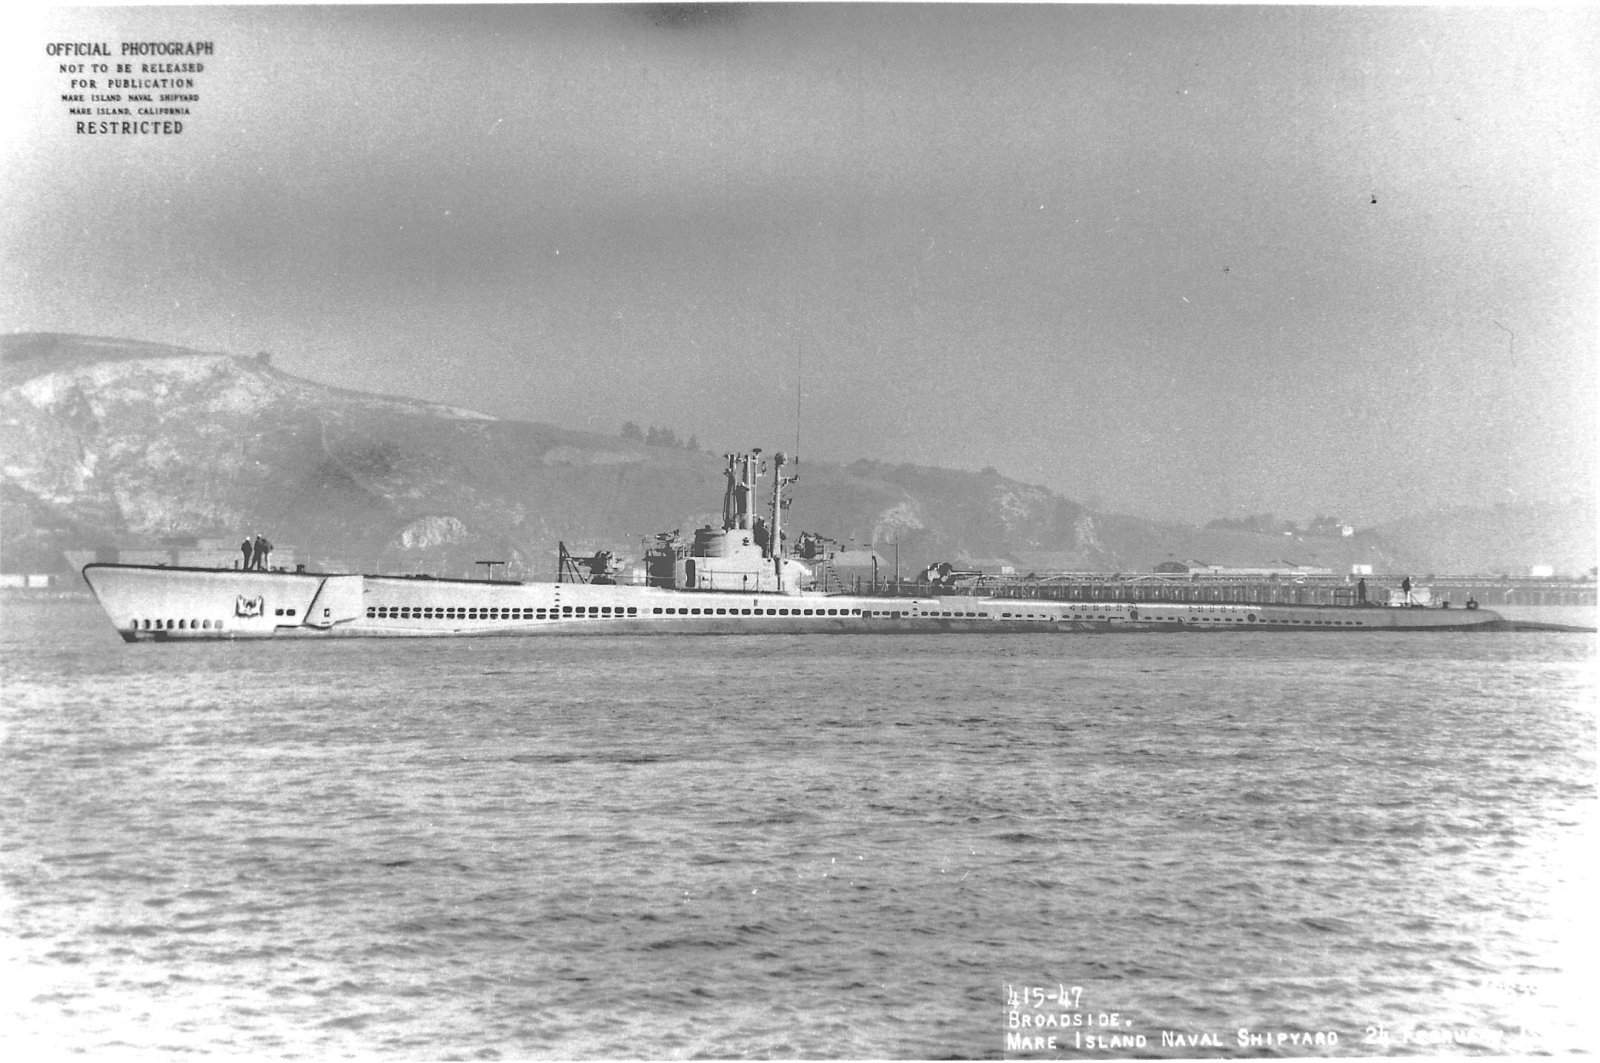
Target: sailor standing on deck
247	548
263	552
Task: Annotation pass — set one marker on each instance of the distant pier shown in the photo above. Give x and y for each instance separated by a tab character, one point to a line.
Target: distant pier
1283	590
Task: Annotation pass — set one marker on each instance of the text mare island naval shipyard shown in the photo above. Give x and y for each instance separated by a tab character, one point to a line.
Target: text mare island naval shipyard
733	579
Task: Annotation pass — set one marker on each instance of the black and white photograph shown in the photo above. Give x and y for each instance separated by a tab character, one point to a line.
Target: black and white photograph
798	531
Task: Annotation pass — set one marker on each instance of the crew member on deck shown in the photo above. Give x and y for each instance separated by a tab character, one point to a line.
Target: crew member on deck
263	553
248	549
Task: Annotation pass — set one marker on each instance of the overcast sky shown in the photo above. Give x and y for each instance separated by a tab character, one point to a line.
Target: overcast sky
1184	262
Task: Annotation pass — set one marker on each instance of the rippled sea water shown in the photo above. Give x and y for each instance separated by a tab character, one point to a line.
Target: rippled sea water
897	846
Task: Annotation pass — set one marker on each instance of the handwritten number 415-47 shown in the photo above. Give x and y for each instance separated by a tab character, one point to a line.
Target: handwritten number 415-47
1037	996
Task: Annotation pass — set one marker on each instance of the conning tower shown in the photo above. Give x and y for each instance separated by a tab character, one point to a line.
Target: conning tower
746	553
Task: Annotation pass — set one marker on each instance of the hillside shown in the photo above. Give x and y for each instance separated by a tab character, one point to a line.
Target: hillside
1506	540
109	442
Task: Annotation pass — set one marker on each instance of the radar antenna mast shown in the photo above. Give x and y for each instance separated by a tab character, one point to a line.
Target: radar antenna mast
799	389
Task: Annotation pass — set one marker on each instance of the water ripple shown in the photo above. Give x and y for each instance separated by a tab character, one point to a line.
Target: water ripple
630	848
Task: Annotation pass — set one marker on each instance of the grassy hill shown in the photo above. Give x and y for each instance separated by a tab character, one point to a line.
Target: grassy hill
112	442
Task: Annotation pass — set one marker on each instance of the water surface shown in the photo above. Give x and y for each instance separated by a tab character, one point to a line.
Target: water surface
795	846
